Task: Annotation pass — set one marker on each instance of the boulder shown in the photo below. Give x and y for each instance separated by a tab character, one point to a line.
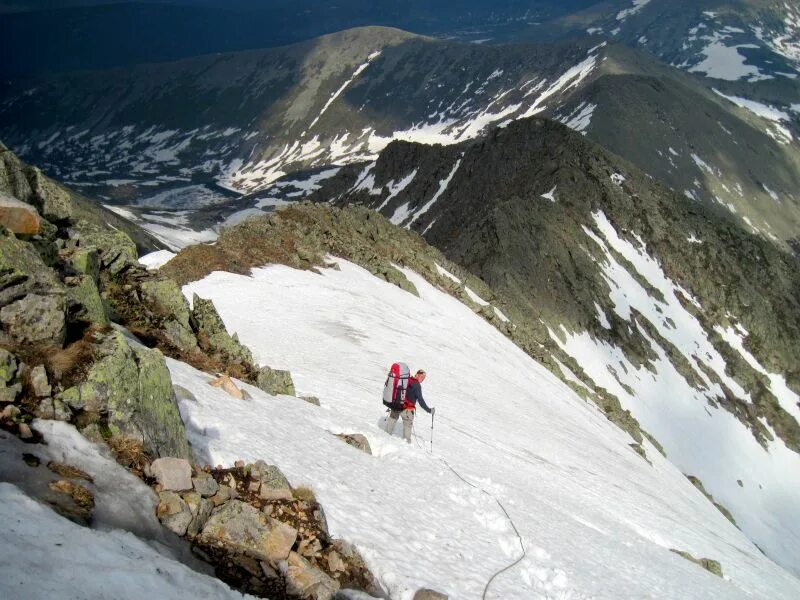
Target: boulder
172	473
181	393
54	409
36	318
241	528
274	485
18	217
9	393
201	510
205	485
131	387
22	271
41	387
274	381
116	249
173	512
213	335
86	261
311	400
356	440
165	297
52	200
85	301
179	336
304	580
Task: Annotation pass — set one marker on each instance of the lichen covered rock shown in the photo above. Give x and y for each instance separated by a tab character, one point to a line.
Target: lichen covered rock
130	388
275	381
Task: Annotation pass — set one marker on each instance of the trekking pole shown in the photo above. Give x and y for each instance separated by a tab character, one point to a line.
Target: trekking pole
433	412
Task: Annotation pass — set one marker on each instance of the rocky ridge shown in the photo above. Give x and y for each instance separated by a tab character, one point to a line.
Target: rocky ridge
83	330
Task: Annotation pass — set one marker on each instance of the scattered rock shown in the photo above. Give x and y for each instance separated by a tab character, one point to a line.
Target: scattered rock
311	400
172	473
86	261
36	318
356	440
54	409
306	581
205	485
10	393
274	485
174	512
274	381
41	387
227	385
239	527
222	495
335	562
201	510
18	217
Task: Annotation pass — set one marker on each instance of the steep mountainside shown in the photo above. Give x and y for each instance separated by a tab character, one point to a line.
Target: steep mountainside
197	132
636	294
749	40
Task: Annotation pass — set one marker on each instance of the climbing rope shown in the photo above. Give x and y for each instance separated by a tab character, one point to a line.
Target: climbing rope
500	504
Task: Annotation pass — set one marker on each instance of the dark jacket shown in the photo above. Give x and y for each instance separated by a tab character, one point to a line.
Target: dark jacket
414	395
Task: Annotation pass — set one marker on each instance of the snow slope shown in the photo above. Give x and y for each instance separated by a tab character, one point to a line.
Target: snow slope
43	555
596	520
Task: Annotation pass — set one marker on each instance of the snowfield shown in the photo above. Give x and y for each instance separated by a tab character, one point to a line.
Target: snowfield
595	520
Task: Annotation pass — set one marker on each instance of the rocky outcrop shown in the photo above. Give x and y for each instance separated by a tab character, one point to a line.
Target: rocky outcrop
274	544
710	565
214	336
128	392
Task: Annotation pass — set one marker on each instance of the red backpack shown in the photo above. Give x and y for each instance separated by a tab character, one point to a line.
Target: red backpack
394	390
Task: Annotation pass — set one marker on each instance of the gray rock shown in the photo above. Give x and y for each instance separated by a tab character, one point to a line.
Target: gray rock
212	334
179	336
174	512
205	485
8	366
54	409
10	393
306	581
201	510
85	302
311	400
86	261
274	381
167	298
426	594
41	387
356	440
53	201
132	386
172	473
274	485
36	318
241	528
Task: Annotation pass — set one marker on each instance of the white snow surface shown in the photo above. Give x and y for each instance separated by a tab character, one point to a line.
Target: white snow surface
157	259
596	520
43	555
